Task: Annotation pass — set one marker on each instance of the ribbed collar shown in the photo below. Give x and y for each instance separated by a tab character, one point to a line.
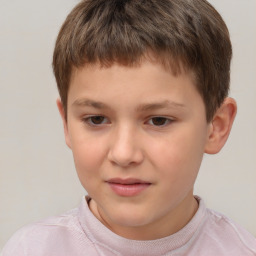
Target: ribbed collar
101	236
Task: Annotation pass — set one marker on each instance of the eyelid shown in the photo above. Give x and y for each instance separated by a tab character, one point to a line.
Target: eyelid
168	119
87	120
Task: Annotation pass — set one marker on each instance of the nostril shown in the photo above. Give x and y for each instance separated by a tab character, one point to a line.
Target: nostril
125	158
125	149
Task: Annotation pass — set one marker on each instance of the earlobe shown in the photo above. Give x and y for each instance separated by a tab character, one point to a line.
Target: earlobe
64	121
220	126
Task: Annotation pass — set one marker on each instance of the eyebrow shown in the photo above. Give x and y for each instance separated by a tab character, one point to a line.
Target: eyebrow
90	103
141	108
159	105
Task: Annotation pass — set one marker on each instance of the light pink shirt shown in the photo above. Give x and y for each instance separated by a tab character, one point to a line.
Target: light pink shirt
78	232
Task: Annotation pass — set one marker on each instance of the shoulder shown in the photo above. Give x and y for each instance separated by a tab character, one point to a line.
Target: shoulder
228	234
59	235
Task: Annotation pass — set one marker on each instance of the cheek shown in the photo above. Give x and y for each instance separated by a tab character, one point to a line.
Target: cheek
88	155
178	156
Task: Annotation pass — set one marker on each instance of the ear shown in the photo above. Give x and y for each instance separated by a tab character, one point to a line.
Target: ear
64	120
220	126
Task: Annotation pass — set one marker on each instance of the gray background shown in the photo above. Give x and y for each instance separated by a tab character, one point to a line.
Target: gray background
37	175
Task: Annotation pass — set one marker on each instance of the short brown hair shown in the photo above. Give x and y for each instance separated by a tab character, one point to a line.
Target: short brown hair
187	32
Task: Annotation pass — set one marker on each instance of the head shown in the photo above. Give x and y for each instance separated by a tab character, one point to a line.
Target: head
179	34
143	88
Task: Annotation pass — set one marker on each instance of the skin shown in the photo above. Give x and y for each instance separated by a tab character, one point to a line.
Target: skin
113	131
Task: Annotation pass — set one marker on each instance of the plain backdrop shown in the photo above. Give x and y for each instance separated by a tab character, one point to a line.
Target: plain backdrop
37	175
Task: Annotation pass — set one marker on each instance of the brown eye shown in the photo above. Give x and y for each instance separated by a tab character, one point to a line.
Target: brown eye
159	121
97	119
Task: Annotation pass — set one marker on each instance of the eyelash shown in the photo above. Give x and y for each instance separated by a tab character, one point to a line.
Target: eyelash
88	120
166	120
150	121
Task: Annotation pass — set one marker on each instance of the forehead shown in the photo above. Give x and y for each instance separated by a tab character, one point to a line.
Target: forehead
147	70
149	61
174	65
145	87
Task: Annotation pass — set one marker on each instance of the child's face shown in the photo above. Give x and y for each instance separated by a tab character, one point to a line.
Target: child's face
138	136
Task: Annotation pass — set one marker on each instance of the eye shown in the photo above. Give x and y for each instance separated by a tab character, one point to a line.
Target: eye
159	121
95	120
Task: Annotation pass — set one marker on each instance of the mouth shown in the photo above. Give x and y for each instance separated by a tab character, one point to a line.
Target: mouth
128	187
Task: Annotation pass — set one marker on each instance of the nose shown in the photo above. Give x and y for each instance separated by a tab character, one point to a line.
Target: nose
125	149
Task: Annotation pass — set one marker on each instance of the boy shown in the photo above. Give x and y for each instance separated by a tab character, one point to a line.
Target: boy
143	95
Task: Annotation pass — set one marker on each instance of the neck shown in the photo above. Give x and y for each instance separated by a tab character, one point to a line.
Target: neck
166	226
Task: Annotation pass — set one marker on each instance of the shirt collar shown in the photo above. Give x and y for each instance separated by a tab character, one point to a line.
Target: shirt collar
101	236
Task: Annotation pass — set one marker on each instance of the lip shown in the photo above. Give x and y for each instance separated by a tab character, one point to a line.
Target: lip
128	187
